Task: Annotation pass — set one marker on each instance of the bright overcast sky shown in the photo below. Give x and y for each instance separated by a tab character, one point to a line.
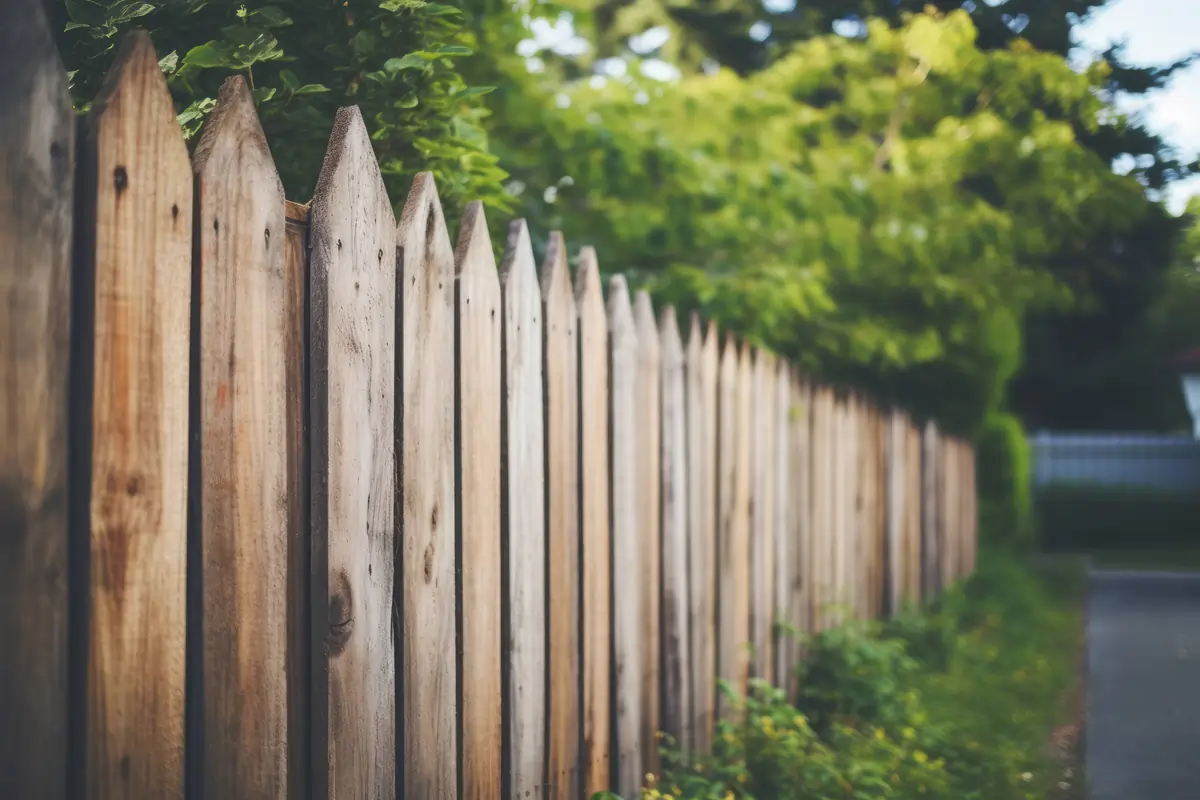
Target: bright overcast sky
1159	32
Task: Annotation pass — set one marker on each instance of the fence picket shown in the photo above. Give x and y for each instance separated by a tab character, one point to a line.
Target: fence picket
627	539
784	536
564	653
595	533
929	512
352	339
648	456
37	152
523	518
427	486
677	713
762	544
245	487
701	373
799	520
477	359
299	579
135	211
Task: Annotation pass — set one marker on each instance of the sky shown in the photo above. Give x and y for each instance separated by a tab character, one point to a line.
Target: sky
1158	32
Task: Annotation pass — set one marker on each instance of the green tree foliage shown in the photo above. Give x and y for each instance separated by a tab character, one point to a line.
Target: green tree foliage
396	59
884	210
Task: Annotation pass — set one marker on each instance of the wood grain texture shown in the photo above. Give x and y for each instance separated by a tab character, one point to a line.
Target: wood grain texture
762	508
733	504
426	509
895	509
295	355
37	151
783	536
820	569
136	255
913	519
524	518
628	548
800	516
245	487
352	237
929	512
701	374
478	311
677	715
564	595
649	499
595	533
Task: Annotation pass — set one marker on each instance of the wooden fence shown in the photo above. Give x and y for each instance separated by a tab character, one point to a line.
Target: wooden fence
302	501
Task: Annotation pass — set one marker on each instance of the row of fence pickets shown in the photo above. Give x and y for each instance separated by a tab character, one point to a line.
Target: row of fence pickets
352	513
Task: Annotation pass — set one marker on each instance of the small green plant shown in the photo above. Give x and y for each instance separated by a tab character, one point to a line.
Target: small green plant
955	703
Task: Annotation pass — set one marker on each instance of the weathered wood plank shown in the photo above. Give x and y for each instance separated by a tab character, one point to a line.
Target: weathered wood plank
895	510
820	568
677	713
595	533
913	519
800	516
245	487
37	151
563	649
785	540
135	250
627	538
352	237
524	518
295	356
426	508
701	372
733	561
929	512
762	508
477	359
649	477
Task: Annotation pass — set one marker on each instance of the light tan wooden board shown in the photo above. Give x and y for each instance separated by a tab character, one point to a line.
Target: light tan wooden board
524	522
478	313
37	152
762	534
627	539
595	533
677	711
137	182
785	540
701	375
649	501
353	348
245	486
426	508
563	649
929	512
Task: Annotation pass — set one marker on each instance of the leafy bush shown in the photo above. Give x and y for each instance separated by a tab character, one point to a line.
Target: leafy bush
1005	469
955	703
395	59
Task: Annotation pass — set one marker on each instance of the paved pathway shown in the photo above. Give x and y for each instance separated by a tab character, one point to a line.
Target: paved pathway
1143	731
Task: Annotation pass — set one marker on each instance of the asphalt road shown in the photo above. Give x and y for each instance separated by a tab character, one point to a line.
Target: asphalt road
1143	728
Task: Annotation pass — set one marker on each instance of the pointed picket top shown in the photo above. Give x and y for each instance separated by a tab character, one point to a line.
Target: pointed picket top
712	344
695	341
556	277
232	131
620	312
426	240
348	157
135	78
647	328
518	270
670	344
729	357
589	296
473	257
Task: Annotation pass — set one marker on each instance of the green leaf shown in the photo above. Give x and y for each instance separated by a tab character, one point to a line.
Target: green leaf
439	10
289	79
473	91
408	101
209	54
70	26
87	12
410	61
451	50
169	62
263	94
312	88
271	17
133	12
400	5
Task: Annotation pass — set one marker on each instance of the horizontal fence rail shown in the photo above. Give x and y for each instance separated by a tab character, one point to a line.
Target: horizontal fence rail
301	500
